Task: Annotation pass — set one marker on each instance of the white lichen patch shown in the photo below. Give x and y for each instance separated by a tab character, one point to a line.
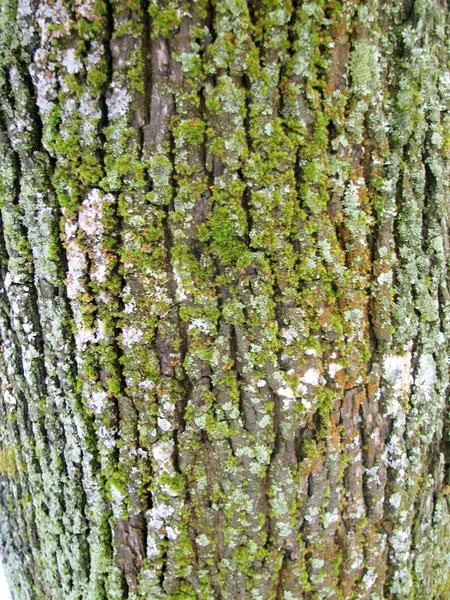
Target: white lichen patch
400	543
396	370
9	398
426	375
90	109
202	540
130	307
334	368
158	514
265	421
117	498
395	500
85	8
76	262
25	8
146	384
118	103
364	67
152	547
329	518
162	453
200	324
90	221
312	514
97	400
396	456
50	14
107	437
83	335
317	563
289	335
131	335
286	392
369	578
164	424
181	291
71	62
42	73
172	532
311	377
7	281
386	278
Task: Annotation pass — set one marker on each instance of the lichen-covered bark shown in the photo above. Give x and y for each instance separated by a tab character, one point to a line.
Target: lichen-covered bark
224	309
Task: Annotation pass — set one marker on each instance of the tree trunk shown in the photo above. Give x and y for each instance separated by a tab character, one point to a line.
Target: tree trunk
225	310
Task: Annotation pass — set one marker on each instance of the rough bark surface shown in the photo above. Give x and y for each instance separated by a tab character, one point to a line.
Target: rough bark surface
225	310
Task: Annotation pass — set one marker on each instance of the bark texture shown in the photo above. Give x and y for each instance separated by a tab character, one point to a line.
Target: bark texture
225	310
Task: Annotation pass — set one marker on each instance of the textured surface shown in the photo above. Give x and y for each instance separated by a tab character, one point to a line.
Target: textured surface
224	309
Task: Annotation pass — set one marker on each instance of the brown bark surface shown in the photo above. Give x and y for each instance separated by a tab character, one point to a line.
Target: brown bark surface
224	307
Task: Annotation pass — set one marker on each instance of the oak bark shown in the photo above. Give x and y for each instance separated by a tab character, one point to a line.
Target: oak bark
224	309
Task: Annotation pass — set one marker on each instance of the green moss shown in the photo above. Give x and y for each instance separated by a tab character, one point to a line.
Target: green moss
8	462
221	232
165	19
189	130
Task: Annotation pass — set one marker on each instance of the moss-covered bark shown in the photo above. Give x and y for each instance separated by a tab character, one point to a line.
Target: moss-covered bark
224	309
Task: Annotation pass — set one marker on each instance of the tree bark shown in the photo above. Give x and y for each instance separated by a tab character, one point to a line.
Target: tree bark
224	310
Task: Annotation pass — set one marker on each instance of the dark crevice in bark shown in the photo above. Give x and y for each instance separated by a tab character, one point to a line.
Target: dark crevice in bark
444	445
210	20
363	445
246	205
193	532
398	201
430	186
285	72
147	60
168	237
186	383
164	567
246	201
246	82
372	238
116	271
255	7
104	121
240	381
267	529
32	108
301	437
374	342
182	325
408	12
277	449
279	592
